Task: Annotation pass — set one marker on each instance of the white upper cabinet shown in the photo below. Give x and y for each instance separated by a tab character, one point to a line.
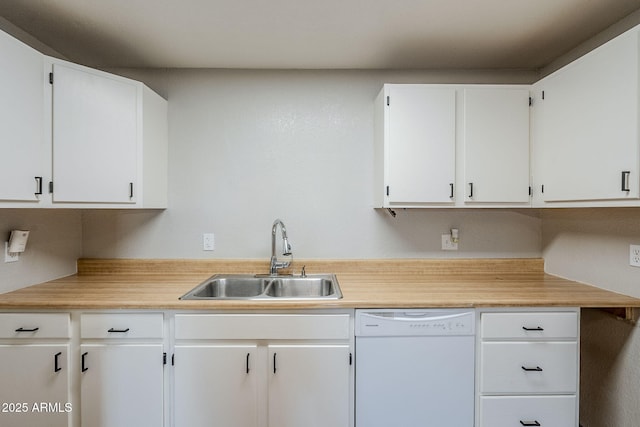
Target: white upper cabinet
586	128
22	140
415	145
452	145
109	137
95	133
72	136
496	144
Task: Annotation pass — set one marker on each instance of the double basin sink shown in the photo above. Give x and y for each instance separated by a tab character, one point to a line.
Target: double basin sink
261	287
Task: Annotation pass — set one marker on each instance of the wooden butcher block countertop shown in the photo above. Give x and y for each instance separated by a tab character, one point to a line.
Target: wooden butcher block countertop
410	283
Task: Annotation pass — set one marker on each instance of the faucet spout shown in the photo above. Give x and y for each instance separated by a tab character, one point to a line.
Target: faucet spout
275	265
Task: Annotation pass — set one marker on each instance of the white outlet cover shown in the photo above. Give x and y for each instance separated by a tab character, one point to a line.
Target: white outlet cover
447	244
10	257
208	242
634	255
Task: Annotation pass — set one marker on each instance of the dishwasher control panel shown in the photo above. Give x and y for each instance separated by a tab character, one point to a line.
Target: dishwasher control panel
415	322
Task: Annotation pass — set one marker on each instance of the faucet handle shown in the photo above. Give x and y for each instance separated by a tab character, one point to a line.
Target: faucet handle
303	273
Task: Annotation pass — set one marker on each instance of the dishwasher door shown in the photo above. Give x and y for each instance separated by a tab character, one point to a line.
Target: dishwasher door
415	368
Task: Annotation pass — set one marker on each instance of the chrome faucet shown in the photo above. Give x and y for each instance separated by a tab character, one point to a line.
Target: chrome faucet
275	265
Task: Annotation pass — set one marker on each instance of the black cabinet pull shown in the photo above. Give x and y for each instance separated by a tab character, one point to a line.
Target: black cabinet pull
274	362
536	369
38	185
131	190
625	181
538	328
120	331
56	367
451	195
84	365
530	423
27	329
248	355
471	190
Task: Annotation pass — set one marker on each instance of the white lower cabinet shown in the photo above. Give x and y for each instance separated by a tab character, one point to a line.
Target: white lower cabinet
528	368
518	411
122	370
271	370
309	385
34	373
35	385
122	385
216	382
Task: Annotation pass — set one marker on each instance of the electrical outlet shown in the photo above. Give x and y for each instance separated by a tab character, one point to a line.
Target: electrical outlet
447	244
634	255
8	256
208	242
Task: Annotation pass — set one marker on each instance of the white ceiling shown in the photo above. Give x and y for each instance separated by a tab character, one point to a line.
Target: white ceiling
381	34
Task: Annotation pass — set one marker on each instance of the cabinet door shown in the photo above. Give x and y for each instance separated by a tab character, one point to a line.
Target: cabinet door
35	385
95	135
122	385
496	145
216	385
308	385
421	144
22	144
587	114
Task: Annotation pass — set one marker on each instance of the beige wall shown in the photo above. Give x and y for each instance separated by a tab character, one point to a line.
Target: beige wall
246	147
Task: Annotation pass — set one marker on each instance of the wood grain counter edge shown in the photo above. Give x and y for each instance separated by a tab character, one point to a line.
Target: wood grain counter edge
411	283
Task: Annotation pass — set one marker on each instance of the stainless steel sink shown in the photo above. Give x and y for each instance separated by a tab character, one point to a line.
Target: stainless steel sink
259	287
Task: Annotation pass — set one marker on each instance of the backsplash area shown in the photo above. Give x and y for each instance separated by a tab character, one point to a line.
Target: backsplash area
55	243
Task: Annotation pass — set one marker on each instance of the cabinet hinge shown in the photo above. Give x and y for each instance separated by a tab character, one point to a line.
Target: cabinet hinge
388	100
387	190
50	78
50	187
350	359
530	101
164	358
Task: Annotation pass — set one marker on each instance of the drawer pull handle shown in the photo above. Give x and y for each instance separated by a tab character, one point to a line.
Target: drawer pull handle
536	369
120	331
625	181
538	328
38	185
84	364
530	423
27	329
56	366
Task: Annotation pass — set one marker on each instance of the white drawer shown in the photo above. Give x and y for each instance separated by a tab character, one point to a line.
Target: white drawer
516	411
262	326
121	325
34	325
529	367
529	326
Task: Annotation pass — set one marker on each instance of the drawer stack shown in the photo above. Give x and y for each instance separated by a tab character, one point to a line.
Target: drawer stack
529	368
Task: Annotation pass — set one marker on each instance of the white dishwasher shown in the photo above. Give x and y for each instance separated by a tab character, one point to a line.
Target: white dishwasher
415	368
